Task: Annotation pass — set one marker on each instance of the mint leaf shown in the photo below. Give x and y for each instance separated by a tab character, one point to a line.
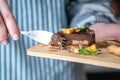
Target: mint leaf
87	52
84	52
95	52
84	29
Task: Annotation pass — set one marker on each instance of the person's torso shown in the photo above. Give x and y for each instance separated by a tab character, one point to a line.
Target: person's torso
30	15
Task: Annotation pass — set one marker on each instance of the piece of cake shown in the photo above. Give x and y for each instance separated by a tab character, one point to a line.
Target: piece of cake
73	39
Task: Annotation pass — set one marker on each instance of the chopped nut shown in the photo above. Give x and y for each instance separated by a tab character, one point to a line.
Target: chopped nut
80	42
85	42
80	46
73	49
75	42
59	43
76	50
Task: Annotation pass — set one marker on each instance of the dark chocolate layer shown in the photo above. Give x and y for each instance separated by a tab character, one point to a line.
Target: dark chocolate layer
67	39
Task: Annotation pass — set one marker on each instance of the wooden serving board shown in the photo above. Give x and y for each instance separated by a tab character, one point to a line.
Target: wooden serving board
104	59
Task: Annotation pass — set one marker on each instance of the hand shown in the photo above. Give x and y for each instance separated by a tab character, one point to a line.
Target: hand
106	31
7	24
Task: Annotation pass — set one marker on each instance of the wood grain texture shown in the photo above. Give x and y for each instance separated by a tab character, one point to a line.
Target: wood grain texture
104	59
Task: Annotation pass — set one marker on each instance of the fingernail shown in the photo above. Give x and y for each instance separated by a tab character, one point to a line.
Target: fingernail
5	42
15	36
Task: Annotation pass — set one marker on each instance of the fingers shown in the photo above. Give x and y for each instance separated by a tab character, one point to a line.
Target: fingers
3	32
106	31
9	20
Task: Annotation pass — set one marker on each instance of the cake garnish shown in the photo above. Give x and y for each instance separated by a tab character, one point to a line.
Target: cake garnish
91	50
76	40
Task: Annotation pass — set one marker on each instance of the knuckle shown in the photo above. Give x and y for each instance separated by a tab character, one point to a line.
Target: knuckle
1	21
3	33
3	37
2	25
2	28
7	15
2	0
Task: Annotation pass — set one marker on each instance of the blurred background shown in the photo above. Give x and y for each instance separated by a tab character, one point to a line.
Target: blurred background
102	73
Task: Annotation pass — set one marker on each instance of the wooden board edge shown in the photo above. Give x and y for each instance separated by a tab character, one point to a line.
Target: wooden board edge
74	59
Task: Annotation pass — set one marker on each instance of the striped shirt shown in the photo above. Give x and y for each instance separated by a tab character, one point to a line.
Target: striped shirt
83	12
48	15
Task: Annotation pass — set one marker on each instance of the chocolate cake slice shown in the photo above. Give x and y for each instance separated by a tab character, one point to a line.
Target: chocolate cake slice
76	38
